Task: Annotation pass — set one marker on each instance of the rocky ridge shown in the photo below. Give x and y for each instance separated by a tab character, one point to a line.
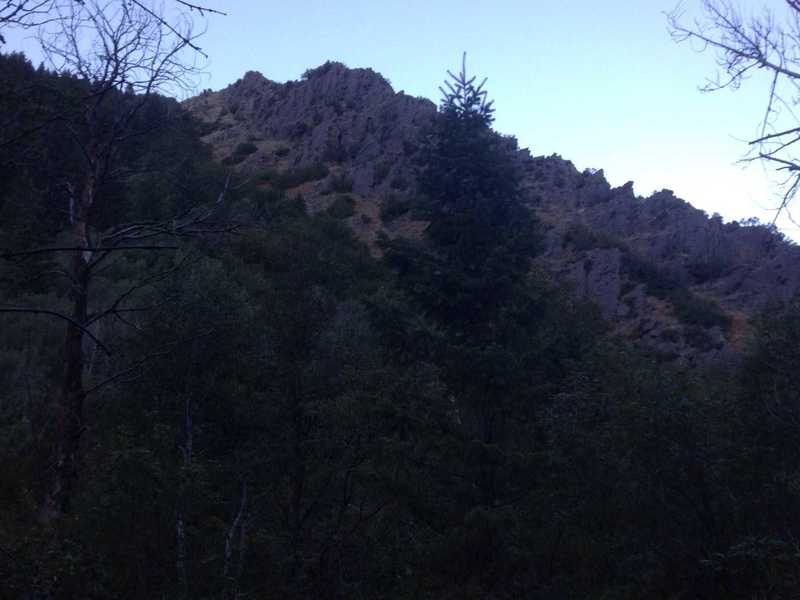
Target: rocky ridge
662	272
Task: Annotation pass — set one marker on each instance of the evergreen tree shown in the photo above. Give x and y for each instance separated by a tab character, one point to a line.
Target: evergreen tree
471	182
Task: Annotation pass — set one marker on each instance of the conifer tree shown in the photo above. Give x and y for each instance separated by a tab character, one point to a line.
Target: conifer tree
479	224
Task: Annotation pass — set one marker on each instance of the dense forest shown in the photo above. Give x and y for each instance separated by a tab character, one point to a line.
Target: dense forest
216	393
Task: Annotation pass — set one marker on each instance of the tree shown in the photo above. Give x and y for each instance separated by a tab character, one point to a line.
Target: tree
745	45
500	334
31	14
23	13
120	55
470	182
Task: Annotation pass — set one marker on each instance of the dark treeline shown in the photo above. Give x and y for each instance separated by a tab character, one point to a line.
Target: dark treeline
282	415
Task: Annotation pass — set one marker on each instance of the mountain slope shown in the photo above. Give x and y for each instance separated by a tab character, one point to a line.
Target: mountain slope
662	272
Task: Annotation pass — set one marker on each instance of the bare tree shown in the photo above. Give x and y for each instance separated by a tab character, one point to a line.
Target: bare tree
23	13
27	14
744	44
118	50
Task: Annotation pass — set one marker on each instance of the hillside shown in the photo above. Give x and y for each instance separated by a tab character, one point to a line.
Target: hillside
662	272
327	342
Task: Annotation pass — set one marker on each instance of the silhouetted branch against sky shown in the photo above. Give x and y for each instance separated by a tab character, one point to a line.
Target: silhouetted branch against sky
30	14
23	13
744	44
117	44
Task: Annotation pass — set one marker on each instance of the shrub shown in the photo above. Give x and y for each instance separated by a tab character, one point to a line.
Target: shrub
205	127
582	238
694	310
241	152
284	180
341	184
381	171
245	148
689	308
399	183
334	152
705	270
393	207
699	337
343	207
659	282
322	69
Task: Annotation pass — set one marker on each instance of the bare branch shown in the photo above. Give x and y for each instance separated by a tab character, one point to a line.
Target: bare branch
53	313
165	350
743	45
81	249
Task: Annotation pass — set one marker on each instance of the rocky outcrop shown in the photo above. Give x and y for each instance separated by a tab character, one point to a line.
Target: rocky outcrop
744	266
334	114
658	268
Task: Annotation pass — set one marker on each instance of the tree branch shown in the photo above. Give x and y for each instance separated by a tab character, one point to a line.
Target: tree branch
53	313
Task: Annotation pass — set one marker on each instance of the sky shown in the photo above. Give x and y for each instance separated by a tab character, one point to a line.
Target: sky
600	83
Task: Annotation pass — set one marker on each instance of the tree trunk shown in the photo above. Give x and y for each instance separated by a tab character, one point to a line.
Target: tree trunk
69	407
187	449
232	575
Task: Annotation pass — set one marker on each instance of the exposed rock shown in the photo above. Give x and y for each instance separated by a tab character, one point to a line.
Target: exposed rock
637	258
597	278
335	114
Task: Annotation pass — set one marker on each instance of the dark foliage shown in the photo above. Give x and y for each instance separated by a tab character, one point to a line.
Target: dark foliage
287	416
284	180
343	207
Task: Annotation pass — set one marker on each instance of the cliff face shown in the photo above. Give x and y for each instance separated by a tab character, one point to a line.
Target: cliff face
662	272
335	115
657	266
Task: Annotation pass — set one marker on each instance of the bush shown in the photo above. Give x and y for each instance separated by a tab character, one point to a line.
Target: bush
245	148
284	180
694	310
205	127
399	183
689	308
659	282
343	207
341	184
381	171
334	152
582	238
698	337
393	207
241	152
705	270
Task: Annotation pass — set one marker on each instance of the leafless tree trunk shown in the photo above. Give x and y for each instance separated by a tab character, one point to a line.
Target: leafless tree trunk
232	574
187	449
112	46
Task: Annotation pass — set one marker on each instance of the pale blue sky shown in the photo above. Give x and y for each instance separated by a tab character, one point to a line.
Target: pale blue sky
600	83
